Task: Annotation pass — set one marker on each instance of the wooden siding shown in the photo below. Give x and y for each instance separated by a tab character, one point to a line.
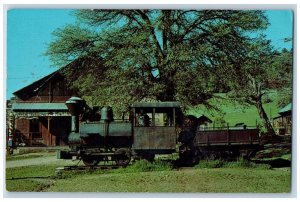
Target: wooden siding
54	130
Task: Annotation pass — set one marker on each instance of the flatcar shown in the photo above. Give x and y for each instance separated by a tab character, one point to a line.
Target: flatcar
218	143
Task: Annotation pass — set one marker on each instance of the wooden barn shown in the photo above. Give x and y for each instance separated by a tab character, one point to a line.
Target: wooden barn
283	123
41	117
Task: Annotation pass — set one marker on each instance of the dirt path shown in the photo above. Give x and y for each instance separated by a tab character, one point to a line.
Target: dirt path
34	161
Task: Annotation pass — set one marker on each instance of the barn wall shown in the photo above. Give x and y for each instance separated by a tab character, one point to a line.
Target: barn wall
22	130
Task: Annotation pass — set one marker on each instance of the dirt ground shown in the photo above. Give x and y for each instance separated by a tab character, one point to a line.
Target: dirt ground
43	160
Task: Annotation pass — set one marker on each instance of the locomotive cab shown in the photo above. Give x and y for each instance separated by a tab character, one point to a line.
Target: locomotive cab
154	128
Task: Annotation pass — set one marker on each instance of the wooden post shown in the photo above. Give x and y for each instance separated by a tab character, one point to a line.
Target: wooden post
133	117
174	119
48	128
153	117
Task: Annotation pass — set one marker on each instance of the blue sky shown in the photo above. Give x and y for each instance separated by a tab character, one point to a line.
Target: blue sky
29	32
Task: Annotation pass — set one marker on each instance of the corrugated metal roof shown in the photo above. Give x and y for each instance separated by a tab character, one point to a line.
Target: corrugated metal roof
39	107
286	108
156	104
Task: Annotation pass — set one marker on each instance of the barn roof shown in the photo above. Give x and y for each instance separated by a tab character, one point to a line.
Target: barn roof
34	87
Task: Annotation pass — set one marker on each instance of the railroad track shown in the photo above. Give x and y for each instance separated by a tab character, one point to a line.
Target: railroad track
100	167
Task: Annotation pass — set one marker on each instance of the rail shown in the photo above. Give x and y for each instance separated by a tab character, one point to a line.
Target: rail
82	168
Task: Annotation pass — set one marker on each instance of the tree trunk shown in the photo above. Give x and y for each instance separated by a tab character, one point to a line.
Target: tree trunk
264	117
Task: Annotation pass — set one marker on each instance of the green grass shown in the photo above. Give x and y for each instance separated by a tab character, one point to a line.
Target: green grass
146	166
143	176
240	163
233	112
31	178
218	180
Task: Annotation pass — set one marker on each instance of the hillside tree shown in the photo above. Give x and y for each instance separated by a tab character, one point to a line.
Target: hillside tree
262	70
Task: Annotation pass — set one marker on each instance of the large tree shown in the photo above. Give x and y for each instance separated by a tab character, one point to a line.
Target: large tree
160	54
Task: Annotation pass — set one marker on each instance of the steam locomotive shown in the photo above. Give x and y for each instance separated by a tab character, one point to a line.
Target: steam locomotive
152	128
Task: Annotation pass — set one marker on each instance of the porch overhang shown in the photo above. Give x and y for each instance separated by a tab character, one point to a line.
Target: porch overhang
40	109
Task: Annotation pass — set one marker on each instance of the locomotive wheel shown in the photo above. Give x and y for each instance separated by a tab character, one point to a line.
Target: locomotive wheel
122	157
90	161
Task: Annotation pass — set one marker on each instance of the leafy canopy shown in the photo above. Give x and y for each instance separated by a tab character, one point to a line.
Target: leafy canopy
166	55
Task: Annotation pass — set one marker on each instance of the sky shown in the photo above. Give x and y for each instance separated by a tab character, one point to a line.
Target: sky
30	30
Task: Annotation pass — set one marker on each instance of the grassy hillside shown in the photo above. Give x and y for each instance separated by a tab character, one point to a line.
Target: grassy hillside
233	112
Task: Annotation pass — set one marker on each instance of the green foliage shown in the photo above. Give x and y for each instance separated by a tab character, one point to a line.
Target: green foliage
167	55
220	122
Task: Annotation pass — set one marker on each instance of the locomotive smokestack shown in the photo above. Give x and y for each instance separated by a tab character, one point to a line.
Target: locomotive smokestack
76	107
